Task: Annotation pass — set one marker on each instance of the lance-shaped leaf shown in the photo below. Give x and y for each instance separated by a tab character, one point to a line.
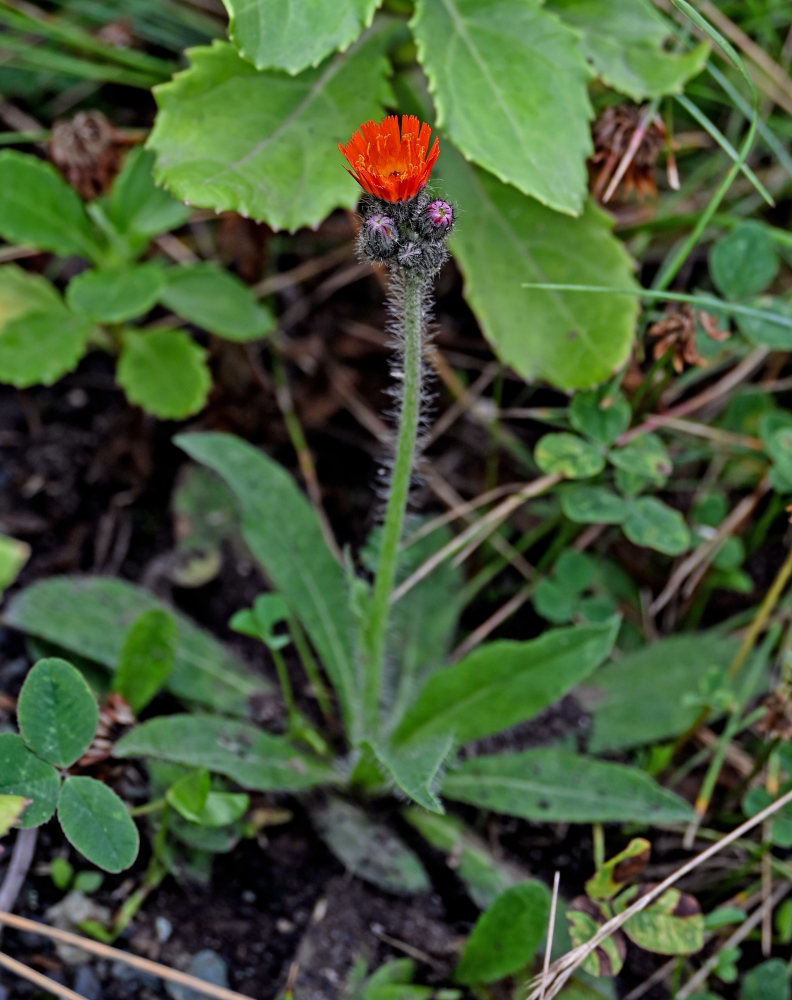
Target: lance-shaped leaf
624	41
557	786
509	83
203	670
295	34
505	240
415	766
284	534
239	750
277	163
503	683
217	301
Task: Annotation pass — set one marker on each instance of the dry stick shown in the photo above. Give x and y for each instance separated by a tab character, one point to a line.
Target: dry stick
116	955
503	613
22	970
707	550
489	523
18	866
765	610
550	930
629	153
566	966
742	932
460	510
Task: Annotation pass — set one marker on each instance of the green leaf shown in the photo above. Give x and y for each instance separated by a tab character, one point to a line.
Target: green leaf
744	261
188	794
254	759
295	34
259	621
216	301
505	240
146	658
415	767
39	347
22	292
569	455
767	981
113	296
501	117
11	809
369	848
584	918
657	526
624	39
39	209
555	786
204	671
600	414
97	824
139	209
284	534
13	556
672	925
506	935
765	334
165	372
484	875
645	456
587	504
503	683
57	712
641	698
23	773
278	163
617	871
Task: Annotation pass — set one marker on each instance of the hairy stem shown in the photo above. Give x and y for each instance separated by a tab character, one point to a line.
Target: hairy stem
408	293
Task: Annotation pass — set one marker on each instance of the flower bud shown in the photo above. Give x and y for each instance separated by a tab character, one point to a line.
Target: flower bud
379	237
440	214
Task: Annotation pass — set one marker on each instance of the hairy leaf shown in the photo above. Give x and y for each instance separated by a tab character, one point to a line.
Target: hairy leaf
503	77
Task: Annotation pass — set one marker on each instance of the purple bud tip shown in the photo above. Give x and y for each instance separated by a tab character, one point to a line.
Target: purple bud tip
382	226
440	214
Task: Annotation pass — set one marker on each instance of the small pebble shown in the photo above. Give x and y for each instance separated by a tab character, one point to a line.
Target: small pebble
86	983
206	965
248	896
284	926
164	928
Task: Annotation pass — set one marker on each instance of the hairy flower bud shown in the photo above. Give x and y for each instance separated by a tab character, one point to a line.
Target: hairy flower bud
440	214
379	237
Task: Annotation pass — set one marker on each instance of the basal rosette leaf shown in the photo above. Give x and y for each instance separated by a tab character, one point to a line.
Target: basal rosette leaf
277	162
510	85
295	34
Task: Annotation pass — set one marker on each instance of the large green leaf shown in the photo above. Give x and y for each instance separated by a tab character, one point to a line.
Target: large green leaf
56	711
39	209
504	240
624	41
23	773
557	786
368	847
295	34
217	301
97	823
509	83
506	935
239	750
503	683
283	533
278	162
203	670
642	698
165	372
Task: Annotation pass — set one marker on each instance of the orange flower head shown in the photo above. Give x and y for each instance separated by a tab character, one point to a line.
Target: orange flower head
390	165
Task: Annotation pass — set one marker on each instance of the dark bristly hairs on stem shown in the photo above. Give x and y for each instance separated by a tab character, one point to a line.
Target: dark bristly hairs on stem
406	229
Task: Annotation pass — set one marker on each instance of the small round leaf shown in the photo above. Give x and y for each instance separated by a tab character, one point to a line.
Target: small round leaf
113	296
763	331
587	504
569	456
657	526
165	372
57	712
744	262
39	347
23	773
97	824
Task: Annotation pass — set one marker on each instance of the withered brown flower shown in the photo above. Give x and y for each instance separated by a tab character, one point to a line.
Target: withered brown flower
677	333
87	151
626	147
